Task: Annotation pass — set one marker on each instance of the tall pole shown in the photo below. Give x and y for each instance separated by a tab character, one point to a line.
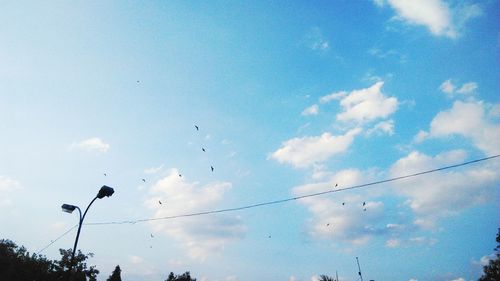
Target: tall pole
80	223
359	269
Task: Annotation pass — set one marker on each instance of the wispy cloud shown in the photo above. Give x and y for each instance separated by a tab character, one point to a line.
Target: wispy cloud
382	128
332	96
153	170
316	40
93	144
311	110
8	188
451	89
200	236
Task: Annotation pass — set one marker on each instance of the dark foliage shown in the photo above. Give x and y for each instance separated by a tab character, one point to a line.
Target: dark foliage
116	275
492	270
16	263
184	277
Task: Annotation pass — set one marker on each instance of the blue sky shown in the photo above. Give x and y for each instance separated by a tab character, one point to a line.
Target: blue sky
291	98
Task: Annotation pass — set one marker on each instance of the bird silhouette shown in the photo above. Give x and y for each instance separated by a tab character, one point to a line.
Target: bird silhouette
105	174
180	176
197	128
212	168
152	235
203	149
364	209
159	202
144	180
343	203
364	203
336	184
328	224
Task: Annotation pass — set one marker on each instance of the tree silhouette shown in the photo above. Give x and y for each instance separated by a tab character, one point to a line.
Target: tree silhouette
115	276
16	263
80	272
492	269
325	278
184	277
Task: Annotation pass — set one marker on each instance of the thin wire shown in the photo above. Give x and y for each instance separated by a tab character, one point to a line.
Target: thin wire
295	198
55	240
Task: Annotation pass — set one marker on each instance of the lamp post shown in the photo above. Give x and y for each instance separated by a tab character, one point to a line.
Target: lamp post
105	191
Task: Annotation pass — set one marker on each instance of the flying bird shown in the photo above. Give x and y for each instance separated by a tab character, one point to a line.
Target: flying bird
197	128
364	209
159	202
336	184
180	176
343	203
203	149
105	174
328	224
152	235
212	168
144	180
364	203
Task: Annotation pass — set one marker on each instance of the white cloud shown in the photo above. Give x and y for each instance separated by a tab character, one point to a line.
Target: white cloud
332	96
367	104
136	259
384	127
450	89
470	120
459	279
393	243
153	170
316	41
436	15
92	144
420	136
447	87
8	187
311	110
201	235
467	88
484	260
331	219
413	241
442	194
231	278
306	151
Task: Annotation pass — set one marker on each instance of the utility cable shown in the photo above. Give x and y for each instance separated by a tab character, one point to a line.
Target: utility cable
297	197
276	201
55	240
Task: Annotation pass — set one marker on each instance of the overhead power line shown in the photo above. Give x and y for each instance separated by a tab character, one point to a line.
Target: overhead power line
278	201
59	237
294	198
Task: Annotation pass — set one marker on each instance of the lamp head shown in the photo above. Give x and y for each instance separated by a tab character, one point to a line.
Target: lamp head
105	191
68	208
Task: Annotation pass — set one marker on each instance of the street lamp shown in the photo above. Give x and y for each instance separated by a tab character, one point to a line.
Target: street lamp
105	191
